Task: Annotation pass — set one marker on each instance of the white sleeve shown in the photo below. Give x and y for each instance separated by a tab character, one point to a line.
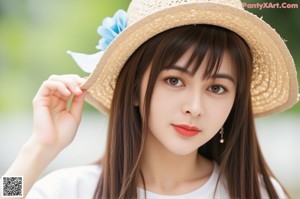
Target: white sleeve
278	189
71	183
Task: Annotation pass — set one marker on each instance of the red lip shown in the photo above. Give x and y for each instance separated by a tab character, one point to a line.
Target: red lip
186	130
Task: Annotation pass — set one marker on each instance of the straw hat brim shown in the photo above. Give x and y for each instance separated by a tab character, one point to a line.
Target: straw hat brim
274	82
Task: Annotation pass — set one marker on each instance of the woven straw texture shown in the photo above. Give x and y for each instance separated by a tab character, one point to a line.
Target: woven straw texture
274	82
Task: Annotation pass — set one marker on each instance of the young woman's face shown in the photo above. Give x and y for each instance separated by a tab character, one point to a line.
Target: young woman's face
187	110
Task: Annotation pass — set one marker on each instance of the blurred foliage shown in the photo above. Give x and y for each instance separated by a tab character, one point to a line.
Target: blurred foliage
34	38
35	34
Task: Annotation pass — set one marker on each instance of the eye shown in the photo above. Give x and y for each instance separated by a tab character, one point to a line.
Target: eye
217	89
174	81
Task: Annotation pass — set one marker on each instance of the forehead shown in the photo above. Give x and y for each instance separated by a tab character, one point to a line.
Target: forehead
226	64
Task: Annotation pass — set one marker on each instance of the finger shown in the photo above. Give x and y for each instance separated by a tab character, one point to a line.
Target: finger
71	81
77	105
51	87
79	79
72	76
50	92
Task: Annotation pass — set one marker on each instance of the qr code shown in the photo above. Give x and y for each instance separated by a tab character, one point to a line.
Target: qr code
12	186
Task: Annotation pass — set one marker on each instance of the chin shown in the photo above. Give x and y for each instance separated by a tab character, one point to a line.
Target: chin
181	150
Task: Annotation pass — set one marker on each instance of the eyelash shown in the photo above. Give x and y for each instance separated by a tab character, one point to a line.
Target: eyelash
176	78
219	86
167	80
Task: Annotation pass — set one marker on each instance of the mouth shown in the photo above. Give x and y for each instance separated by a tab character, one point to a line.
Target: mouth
186	130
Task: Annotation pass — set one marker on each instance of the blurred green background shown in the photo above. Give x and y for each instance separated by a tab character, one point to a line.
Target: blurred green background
35	34
34	38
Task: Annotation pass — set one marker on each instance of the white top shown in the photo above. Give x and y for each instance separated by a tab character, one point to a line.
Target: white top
81	183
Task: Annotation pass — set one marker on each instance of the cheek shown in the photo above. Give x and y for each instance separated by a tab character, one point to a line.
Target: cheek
163	102
220	111
162	110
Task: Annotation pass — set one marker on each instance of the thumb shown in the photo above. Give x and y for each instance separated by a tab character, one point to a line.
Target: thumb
77	105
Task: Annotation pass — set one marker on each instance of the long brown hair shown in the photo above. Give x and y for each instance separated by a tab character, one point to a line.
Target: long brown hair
240	158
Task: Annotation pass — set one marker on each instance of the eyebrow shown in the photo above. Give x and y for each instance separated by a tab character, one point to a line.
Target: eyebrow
179	68
215	76
223	76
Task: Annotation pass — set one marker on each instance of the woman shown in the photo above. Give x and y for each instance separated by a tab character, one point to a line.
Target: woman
181	96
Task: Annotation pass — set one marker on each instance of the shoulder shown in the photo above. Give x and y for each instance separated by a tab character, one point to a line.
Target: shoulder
222	188
77	182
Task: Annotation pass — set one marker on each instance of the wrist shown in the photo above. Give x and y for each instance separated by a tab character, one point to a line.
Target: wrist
38	152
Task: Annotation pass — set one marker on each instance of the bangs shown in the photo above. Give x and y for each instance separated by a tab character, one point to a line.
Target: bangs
203	40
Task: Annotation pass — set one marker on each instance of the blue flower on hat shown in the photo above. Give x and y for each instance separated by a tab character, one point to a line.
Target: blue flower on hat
110	28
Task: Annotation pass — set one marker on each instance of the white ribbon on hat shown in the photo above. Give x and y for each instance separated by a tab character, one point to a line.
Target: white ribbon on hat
86	62
111	27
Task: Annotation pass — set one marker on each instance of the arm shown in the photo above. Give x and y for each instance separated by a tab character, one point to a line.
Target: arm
54	127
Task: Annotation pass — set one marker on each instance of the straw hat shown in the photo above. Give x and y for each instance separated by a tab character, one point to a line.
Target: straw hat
274	83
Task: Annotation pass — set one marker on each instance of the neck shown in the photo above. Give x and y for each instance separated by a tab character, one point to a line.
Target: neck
165	171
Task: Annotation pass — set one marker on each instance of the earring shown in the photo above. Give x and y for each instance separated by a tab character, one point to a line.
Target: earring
222	133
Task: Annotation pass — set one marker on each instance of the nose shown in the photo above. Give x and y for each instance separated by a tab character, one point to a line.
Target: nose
194	104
